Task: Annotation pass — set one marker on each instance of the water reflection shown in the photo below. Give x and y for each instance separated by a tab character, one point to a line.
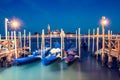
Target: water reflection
87	69
61	72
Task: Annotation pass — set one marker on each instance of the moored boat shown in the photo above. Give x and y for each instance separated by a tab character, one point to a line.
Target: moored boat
71	55
52	56
24	60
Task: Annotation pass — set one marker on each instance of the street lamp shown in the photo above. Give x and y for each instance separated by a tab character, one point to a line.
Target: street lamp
14	23
104	22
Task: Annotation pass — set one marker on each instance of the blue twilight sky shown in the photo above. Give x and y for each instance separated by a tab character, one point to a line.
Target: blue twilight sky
66	14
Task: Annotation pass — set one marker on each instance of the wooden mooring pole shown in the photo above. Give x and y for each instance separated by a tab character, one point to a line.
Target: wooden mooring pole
15	44
0	40
109	48
37	41
50	40
103	42
76	39
61	35
11	35
97	43
42	42
29	42
24	40
88	40
93	41
79	42
8	35
20	39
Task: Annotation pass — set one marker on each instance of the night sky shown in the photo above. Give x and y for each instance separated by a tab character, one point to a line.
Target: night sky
66	14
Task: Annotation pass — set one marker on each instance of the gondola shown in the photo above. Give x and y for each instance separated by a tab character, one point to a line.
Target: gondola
36	55
24	60
53	55
71	56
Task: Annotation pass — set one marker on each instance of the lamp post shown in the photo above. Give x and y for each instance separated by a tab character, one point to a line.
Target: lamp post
14	23
104	22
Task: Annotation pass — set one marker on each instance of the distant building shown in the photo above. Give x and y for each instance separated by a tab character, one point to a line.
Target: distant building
55	32
48	29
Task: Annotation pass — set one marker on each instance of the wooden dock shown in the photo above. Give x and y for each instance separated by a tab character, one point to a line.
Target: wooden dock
10	51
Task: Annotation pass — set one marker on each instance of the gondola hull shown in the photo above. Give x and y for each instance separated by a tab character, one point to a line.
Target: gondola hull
24	60
49	59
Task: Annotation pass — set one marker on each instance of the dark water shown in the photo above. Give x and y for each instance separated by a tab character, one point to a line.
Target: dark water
85	69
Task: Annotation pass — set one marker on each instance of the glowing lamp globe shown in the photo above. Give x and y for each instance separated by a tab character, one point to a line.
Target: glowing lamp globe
104	21
15	23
